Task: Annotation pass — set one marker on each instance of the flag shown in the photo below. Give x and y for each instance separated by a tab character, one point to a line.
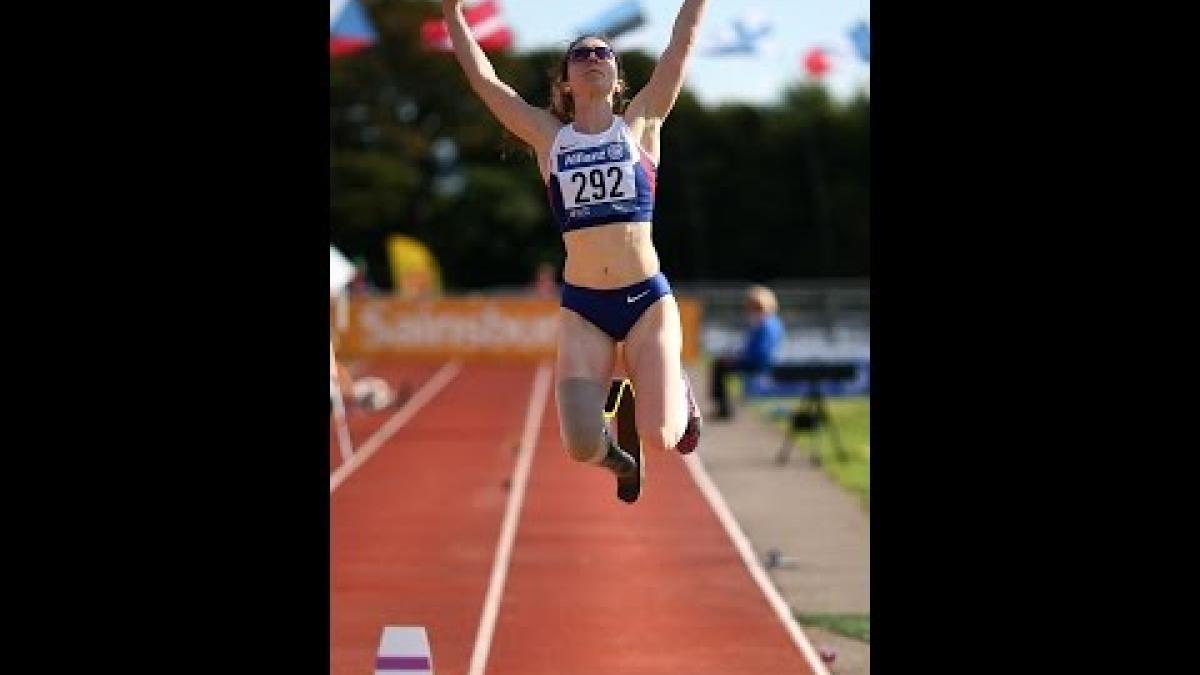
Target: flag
483	18
341	272
616	20
350	28
860	36
415	271
816	62
745	37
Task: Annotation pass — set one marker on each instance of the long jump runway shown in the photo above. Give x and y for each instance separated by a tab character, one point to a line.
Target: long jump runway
461	513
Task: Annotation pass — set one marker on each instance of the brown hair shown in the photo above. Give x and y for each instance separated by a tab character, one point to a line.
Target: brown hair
562	104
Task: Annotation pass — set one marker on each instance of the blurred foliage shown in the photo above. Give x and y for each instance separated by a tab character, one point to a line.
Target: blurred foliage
763	192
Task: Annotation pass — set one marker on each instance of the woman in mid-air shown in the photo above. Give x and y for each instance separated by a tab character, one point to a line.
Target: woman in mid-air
598	152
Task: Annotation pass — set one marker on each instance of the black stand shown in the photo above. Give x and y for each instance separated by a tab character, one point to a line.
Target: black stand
812	415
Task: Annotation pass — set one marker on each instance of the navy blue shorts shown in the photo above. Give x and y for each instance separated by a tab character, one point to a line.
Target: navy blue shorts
615	311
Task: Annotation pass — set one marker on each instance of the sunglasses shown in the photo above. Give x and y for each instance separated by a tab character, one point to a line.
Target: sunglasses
579	54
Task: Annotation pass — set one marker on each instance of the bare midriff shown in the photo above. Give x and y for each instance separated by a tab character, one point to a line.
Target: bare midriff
608	256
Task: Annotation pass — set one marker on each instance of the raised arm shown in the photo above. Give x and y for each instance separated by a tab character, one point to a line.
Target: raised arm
656	99
533	125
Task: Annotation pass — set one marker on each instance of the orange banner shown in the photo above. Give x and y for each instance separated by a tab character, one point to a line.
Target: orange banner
500	329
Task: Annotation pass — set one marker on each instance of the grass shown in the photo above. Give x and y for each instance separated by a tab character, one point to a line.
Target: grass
857	626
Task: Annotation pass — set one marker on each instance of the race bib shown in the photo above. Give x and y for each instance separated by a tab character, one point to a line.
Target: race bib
597	178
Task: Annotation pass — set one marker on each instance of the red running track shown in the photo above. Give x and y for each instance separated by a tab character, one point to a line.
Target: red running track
593	585
362	423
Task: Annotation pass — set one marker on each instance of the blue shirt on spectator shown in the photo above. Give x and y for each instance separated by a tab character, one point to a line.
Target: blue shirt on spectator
762	343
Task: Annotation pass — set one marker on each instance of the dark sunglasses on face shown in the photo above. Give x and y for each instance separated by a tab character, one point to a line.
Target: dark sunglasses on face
582	53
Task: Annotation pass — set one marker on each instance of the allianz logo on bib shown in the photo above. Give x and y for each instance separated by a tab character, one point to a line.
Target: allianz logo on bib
610	152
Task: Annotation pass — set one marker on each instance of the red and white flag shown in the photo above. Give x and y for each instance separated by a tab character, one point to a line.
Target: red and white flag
489	28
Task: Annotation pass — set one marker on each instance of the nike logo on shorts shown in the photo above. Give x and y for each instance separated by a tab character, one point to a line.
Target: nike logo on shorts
634	298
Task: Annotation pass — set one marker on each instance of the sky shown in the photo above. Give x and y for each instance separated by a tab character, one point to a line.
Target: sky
798	25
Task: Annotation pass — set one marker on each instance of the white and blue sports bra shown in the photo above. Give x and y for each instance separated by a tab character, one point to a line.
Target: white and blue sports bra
596	179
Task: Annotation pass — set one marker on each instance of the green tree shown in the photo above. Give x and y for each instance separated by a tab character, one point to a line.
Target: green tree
743	191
